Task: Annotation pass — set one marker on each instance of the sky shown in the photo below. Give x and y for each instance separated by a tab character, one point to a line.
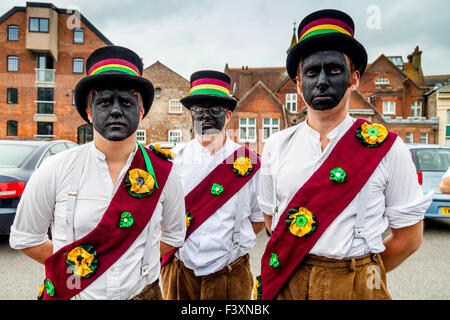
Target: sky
192	35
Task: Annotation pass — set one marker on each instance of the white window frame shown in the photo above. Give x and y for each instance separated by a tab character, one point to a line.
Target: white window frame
141	136
244	123
390	108
175	106
175	133
12	64
416	109
409	137
273	128
382	80
424	137
291	102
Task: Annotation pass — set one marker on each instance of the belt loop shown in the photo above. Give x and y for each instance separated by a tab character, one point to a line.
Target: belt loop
352	265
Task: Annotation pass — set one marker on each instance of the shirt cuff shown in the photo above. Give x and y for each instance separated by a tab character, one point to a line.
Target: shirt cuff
173	239
410	213
21	240
267	207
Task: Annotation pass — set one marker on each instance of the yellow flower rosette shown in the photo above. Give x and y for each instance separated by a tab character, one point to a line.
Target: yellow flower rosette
163	153
372	135
84	260
139	183
300	221
242	166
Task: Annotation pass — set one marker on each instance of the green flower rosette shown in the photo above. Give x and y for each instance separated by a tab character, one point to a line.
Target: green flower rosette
126	220
338	175
274	262
49	287
216	189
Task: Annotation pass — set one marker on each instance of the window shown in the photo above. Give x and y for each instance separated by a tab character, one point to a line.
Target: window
11	128
45	101
85	134
13	63
13	33
382	80
77	66
389	107
409	137
45	128
11	96
78	35
157	92
424	137
416	109
175	136
247	129
270	126
141	136
175	106
291	102
38	25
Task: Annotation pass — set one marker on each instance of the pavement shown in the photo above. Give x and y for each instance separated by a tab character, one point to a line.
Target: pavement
424	276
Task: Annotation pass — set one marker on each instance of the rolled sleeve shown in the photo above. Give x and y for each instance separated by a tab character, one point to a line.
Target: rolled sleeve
35	210
405	202
173	223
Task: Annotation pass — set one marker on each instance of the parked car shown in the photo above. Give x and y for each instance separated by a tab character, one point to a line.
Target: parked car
432	161
18	160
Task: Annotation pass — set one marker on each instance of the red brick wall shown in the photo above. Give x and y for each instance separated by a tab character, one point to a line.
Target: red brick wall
67	116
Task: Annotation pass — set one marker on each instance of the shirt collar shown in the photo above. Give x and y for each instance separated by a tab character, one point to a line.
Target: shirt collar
102	157
336	132
199	148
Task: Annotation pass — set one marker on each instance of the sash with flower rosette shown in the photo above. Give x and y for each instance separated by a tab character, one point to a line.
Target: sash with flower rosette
216	189
121	224
319	201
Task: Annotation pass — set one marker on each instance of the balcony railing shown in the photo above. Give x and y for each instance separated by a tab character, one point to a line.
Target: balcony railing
45	75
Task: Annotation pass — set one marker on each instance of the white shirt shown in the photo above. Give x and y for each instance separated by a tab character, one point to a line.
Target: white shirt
43	203
391	197
208	248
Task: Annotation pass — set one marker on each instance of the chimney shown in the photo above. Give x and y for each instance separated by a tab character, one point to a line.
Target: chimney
415	58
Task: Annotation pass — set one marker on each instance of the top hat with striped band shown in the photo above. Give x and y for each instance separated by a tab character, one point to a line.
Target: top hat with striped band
211	88
323	30
113	67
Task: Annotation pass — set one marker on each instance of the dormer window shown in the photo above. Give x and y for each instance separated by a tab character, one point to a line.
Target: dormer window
382	80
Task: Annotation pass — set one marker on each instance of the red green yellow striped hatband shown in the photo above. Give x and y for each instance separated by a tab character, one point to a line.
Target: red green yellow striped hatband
210	87
322	30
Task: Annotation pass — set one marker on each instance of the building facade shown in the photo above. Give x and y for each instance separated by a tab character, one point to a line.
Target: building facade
44	49
167	119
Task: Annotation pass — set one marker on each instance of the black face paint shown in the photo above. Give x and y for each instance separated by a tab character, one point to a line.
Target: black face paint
324	77
207	123
115	113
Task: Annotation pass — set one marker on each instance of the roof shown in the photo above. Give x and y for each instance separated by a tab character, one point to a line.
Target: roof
83	19
243	79
433	80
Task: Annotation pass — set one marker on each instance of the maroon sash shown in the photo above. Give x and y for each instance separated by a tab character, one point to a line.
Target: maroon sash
202	204
326	200
108	239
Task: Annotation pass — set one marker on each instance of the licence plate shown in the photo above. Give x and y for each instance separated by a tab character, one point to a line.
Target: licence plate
445	210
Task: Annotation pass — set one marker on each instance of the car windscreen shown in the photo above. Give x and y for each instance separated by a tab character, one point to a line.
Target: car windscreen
432	159
14	155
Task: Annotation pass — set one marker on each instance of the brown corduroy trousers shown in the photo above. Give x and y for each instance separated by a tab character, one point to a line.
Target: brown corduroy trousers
320	278
150	292
234	282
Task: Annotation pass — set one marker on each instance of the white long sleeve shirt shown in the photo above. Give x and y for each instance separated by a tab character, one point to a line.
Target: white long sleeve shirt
208	248
391	197
44	200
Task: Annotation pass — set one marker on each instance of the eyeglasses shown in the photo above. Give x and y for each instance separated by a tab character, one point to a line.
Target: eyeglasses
214	111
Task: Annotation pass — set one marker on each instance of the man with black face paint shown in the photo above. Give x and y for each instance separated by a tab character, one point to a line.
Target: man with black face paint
220	180
115	206
331	186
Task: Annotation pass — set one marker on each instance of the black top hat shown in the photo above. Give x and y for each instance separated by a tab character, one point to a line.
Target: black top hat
116	67
322	30
210	87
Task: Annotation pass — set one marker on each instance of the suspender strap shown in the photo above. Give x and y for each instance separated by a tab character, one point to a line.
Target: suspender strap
73	192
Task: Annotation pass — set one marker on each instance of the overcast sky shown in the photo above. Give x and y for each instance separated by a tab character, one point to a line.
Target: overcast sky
190	35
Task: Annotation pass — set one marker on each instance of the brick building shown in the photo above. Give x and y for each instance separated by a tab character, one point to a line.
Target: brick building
167	120
43	49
